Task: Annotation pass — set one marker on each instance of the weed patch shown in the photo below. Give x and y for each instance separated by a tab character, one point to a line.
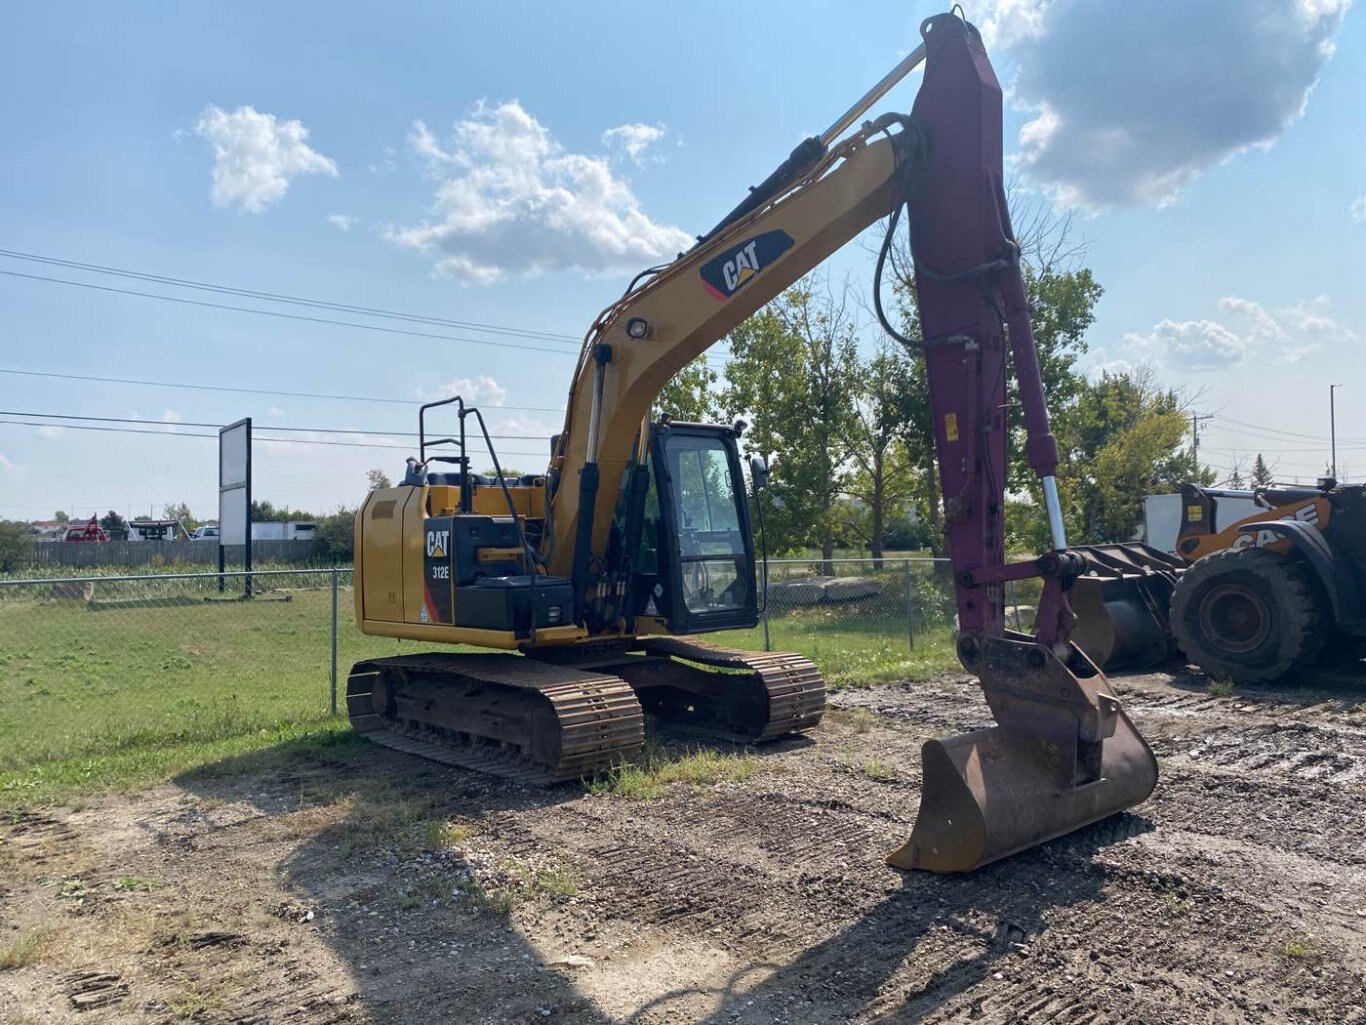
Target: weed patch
648	778
22	949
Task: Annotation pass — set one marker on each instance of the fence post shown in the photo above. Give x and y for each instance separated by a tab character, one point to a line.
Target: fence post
334	639
910	607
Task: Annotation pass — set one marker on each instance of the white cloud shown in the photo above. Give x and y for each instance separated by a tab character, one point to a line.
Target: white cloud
1307	321
1263	325
510	200
5	464
164	423
256	156
633	138
1285	334
275	411
1132	101
1358	210
51	431
1296	353
342	222
1191	345
1310	317
1116	367
483	390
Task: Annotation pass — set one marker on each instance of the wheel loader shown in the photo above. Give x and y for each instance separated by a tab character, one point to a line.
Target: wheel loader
1265	595
591	581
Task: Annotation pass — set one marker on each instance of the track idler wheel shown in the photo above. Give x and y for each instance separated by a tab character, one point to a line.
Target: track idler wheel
1063	755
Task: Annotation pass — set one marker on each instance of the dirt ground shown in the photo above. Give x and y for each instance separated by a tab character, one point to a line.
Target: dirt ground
351	884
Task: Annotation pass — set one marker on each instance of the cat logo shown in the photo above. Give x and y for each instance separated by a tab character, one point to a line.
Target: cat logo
437	543
730	270
1260	539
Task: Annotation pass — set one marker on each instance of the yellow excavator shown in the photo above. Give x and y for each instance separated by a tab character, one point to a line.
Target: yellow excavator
592	578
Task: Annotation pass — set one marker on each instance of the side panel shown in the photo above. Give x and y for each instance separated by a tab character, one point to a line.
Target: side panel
414	554
1315	512
380	593
438	589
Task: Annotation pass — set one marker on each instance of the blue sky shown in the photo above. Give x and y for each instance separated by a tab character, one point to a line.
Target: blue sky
460	161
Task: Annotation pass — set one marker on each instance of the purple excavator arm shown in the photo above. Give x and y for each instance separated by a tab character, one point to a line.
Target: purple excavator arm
1063	752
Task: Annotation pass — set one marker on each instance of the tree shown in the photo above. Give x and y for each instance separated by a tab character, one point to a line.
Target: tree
14	545
378	479
336	536
114	525
691	394
1121	440
1261	473
883	474
263	511
1236	479
1062	297
180	512
794	374
61	517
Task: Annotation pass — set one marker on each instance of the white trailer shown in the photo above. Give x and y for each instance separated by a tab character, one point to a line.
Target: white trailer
284	530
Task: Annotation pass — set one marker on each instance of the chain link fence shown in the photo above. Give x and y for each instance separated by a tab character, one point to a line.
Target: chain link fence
94	665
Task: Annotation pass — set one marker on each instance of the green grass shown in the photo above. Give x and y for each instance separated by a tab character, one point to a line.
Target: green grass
33	572
1221	688
22	949
648	778
858	718
115	699
852	646
879	769
130	697
1299	948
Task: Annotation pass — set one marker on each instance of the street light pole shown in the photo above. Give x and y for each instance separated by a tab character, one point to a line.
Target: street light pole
1333	429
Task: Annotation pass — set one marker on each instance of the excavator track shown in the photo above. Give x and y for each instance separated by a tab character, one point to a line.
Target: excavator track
746	696
505	715
792	687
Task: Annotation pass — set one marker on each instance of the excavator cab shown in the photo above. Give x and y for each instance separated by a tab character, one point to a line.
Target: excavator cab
694	566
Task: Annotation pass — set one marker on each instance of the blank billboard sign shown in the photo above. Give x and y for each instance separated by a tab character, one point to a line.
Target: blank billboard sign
234	485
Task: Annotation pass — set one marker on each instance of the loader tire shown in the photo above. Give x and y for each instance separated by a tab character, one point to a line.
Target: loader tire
1249	616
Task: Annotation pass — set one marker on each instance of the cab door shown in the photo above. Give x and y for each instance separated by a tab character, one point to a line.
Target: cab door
705	552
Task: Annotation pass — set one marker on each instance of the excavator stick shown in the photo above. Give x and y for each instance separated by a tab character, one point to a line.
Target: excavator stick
1064	755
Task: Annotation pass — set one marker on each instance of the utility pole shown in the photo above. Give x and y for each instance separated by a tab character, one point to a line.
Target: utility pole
1333	429
1195	435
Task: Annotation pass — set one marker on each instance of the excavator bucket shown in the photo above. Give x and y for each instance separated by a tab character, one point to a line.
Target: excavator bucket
1064	755
1122	604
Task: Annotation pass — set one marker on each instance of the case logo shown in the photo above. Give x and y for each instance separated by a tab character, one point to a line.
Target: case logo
437	543
729	271
1305	514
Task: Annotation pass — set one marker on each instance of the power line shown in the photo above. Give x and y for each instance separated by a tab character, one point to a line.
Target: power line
291	316
1280	433
576	344
272	427
250	391
255	437
294	300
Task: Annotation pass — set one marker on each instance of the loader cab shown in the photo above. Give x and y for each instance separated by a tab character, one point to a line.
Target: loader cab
695	564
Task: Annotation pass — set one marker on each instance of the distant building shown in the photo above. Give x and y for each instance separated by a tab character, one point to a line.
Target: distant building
48	530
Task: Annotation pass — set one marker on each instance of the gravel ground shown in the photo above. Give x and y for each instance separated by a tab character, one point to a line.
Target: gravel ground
352	884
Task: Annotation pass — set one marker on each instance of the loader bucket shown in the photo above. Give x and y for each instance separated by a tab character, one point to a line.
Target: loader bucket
990	793
1122	604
